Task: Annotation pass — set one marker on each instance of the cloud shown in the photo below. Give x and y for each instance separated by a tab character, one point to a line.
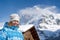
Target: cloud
32	14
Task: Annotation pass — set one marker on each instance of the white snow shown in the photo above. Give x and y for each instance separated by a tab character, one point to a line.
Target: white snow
1	25
49	27
24	28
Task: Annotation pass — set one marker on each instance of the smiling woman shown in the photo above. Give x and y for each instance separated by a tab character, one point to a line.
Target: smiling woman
10	30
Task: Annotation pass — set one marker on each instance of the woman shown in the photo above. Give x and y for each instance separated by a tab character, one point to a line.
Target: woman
11	28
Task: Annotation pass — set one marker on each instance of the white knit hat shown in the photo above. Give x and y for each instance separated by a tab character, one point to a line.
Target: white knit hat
14	17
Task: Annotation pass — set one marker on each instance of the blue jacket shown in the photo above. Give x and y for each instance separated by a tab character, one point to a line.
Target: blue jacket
11	33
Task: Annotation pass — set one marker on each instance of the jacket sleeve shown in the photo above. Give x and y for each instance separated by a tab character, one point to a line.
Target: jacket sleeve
22	35
2	35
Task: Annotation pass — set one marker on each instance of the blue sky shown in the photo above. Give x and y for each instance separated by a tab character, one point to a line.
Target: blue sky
8	7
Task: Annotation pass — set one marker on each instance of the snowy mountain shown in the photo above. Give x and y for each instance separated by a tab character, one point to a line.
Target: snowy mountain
46	21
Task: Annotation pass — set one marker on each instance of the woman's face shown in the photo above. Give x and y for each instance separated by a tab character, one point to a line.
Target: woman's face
15	23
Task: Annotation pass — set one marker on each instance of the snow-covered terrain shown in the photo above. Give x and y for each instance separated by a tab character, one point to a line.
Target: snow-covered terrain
46	21
24	28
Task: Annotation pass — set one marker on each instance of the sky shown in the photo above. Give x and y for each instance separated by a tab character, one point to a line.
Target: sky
8	7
